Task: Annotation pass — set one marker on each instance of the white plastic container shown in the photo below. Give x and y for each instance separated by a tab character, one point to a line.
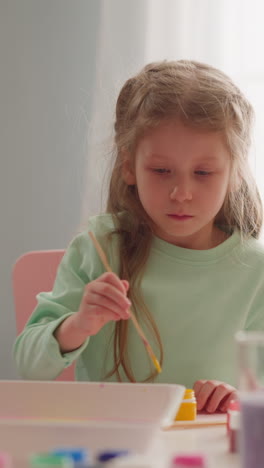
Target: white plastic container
42	416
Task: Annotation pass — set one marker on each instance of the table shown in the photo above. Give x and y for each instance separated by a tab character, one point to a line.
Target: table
44	416
210	441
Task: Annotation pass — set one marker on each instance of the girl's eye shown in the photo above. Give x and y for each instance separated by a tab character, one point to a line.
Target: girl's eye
202	173
161	170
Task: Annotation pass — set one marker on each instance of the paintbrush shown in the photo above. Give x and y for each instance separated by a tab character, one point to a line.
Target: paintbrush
195	424
133	318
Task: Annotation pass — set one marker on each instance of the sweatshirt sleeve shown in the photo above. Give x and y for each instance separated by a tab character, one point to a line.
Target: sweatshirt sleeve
36	350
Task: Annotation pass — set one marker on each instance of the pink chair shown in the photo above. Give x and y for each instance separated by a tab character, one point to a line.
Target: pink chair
34	272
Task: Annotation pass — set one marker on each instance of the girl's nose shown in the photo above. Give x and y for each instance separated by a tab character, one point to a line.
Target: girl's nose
180	193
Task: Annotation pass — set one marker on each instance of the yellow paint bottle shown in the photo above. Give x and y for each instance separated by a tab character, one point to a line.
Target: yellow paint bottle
188	408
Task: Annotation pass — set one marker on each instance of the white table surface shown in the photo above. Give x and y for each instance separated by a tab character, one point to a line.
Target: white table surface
210	441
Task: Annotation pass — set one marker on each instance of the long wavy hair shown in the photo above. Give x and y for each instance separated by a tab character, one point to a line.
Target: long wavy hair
202	97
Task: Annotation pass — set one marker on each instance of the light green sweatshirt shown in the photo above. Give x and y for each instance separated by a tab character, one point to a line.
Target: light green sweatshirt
198	298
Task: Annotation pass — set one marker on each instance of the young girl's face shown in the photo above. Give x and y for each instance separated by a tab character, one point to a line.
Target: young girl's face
182	176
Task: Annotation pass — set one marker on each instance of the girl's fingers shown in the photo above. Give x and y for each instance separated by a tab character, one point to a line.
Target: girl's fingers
103	315
113	279
204	393
111	284
97	303
96	322
126	284
213	395
224	405
197	386
219	395
101	292
104	300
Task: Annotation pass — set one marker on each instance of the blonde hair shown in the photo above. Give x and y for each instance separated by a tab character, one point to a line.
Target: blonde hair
200	96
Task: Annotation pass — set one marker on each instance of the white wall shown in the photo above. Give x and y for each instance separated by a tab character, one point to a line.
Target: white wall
47	62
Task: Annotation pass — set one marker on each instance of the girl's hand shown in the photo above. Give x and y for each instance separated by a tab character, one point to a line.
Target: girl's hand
104	299
213	395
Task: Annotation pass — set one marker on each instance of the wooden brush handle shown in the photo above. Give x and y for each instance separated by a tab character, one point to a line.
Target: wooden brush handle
133	318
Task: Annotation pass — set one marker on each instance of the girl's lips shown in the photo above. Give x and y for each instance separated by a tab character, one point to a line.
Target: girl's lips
180	216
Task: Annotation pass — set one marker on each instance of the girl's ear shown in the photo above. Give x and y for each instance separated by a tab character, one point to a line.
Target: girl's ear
128	172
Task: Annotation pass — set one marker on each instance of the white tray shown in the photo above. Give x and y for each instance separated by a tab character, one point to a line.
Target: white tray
41	416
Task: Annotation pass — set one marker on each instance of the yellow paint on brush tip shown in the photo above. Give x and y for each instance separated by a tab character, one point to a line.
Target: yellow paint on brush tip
157	365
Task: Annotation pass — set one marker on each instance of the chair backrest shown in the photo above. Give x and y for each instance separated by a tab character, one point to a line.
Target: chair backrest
33	273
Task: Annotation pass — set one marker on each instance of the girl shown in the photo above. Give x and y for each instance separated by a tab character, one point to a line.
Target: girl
180	230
